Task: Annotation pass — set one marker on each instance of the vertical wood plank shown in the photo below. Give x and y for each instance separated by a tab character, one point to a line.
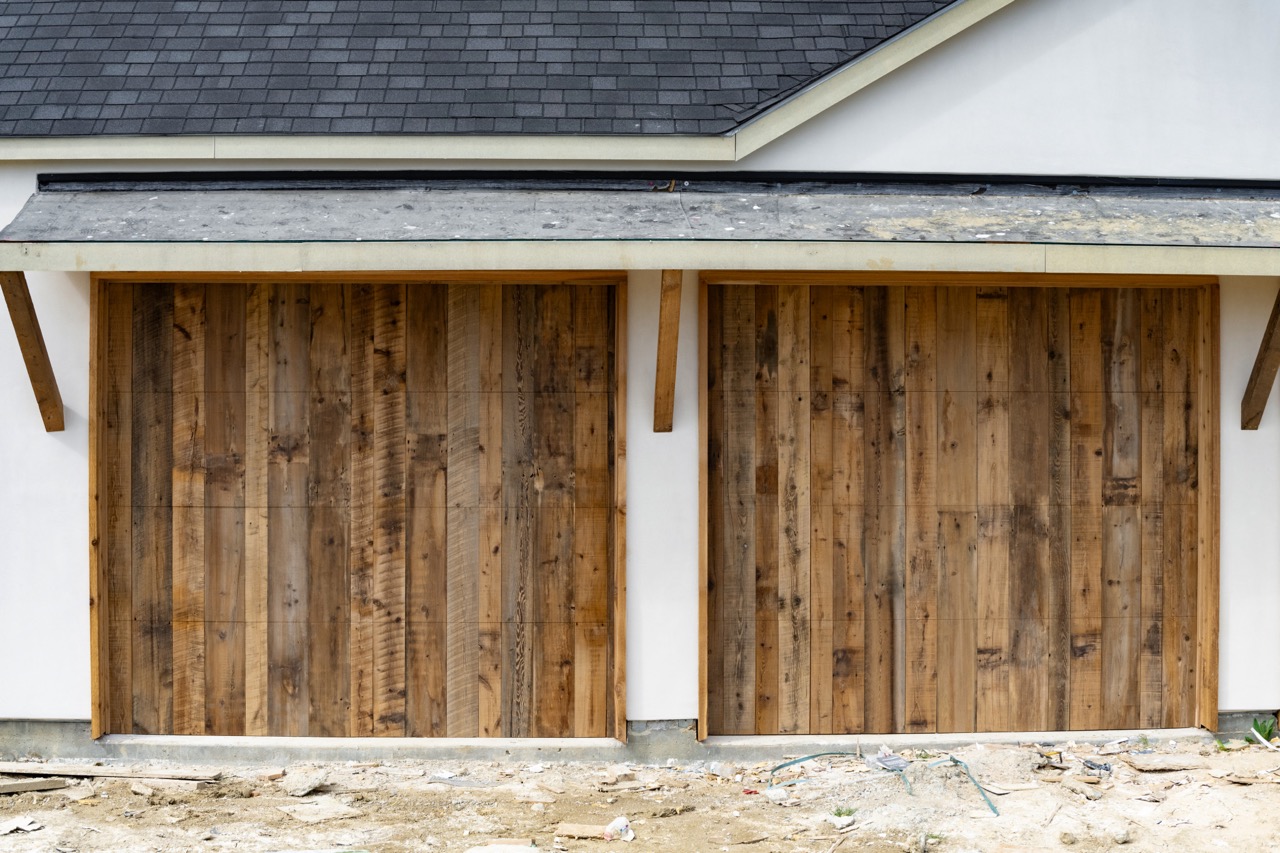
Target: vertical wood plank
518	497
1151	492
592	502
794	515
224	509
821	484
118	450
708	475
1058	335
462	488
364	486
489	708
1030	424
257	529
99	568
1087	414
287	516
756	589
957	500
994	515
413	691
152	456
924	361
616	706
1209	369
188	509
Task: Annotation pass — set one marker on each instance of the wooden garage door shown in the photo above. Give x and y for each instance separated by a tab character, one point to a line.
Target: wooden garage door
346	509
959	508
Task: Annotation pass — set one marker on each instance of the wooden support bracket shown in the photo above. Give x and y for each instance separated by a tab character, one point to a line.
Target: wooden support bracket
1264	373
664	390
23	314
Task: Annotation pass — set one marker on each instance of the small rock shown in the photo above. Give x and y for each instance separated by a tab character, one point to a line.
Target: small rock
535	768
141	790
777	795
1067	839
719	768
1123	836
301	784
840	821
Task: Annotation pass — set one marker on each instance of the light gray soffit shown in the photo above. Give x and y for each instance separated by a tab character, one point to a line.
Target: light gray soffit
823	213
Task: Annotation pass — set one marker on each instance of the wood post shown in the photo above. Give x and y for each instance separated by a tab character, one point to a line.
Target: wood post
23	314
664	390
1264	373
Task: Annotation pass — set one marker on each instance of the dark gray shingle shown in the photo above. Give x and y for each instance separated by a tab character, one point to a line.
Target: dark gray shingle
501	66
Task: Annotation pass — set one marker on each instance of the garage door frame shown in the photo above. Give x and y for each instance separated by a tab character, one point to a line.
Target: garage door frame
98	568
1207	382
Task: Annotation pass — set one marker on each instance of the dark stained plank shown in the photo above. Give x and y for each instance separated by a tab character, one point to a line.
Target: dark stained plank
188	509
794	515
518	497
256	529
1121	615
957	631
821	485
923	362
118	449
412	693
848	576
288	462
755	591
716	548
224	509
152	487
1058	576
489	589
1087	414
553	629
360	571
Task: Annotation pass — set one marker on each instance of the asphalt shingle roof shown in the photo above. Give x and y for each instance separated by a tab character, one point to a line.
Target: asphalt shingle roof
125	67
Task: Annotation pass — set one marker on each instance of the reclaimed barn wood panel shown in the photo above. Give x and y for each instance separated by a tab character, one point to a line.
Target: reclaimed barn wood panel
1004	507
352	509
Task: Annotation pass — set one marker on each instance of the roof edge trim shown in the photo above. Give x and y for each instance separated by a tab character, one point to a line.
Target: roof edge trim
336	147
861	72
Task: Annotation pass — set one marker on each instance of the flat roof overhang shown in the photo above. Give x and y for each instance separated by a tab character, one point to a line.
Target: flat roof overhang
899	227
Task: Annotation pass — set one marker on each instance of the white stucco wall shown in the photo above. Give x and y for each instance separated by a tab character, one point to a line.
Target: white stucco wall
1160	88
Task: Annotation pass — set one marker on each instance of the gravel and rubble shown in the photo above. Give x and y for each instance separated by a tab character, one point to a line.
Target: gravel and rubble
1137	793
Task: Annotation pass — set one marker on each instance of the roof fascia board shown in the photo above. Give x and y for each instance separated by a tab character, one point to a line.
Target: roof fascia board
538	148
861	72
638	254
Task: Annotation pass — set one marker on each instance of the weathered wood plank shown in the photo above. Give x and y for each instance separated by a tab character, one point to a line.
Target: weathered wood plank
99	508
518	496
758	585
716	550
1151	442
1058	337
489	581
26	326
118	527
794	511
152	456
288	578
1208	506
224	509
991	313
616	704
821	485
257	435
360	571
925	358
188	509
664	392
1087	416
463	525
412	694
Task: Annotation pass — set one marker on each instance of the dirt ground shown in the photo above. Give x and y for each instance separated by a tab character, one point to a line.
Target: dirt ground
1221	797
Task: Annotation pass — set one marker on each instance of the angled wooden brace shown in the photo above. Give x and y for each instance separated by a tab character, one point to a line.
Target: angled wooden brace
664	386
1264	373
23	314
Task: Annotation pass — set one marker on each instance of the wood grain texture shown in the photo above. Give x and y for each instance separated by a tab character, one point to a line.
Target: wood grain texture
664	391
1002	484
99	613
315	497
1263	375
26	326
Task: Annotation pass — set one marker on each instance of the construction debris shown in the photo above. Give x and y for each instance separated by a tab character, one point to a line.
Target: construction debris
104	771
22	786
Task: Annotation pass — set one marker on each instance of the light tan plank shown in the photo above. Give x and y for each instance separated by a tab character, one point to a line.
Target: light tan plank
26	326
664	392
256	527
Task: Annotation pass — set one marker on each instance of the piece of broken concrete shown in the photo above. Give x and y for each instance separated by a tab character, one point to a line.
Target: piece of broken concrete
1164	763
305	782
22	786
24	823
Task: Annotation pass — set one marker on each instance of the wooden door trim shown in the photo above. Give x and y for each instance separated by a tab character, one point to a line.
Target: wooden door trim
98	618
619	515
958	279
379	276
1208	394
703	510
